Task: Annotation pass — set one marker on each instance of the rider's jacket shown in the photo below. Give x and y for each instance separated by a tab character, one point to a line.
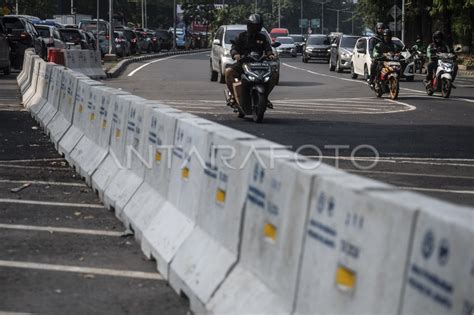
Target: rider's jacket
434	49
244	44
382	48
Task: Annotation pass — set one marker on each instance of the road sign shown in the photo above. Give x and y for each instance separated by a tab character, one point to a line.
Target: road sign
395	12
316	23
391	25
303	23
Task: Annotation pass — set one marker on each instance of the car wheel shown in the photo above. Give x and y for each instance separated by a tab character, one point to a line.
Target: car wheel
214	74
331	67
338	66
366	73
353	74
305	59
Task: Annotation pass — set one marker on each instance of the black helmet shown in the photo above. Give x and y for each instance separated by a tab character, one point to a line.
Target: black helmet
387	33
254	24
438	37
379	27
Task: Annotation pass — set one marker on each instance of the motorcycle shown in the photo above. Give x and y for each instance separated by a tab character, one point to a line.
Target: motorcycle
419	59
388	79
443	77
250	91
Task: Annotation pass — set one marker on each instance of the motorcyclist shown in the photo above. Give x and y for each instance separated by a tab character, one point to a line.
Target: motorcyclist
437	46
418	45
379	28
244	43
381	48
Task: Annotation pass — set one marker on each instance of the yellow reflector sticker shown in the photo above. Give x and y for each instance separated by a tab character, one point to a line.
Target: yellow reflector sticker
158	156
92	117
220	195
104	124
270	231
345	279
81	108
118	133
185	173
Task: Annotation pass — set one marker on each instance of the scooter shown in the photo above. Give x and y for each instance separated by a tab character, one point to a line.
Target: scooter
250	90
443	79
388	82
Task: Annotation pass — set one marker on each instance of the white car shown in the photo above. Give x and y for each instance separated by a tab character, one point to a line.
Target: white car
287	47
362	58
220	52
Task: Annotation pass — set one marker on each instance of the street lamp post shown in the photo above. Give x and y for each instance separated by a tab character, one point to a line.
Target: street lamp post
301	16
72	7
279	14
143	21
174	24
403	20
111	25
97	29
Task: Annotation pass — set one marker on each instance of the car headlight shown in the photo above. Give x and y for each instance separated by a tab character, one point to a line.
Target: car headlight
329	50
308	49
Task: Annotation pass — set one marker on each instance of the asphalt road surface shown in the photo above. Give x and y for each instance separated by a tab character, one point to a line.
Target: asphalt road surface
425	144
62	252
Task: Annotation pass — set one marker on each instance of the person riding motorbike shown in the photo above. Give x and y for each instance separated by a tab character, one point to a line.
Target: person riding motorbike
244	43
437	46
386	46
379	28
418	45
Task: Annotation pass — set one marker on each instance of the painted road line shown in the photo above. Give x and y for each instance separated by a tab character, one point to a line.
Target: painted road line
84	270
27	167
392	160
33	160
39	182
52	229
406	174
158	60
48	203
463	192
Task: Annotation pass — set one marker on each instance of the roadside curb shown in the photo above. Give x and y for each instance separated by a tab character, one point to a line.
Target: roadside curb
122	65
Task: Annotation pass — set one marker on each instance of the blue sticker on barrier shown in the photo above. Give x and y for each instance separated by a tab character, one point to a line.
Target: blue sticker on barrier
427	246
443	252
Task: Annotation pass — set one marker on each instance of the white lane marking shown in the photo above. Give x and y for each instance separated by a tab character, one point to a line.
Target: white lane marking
408	174
32	160
400	160
28	167
59	230
465	192
49	203
14	313
40	182
158	60
365	83
85	270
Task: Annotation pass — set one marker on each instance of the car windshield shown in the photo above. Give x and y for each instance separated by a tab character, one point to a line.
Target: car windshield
318	40
285	40
14	24
70	35
278	34
91	26
298	38
348	42
232	35
43	32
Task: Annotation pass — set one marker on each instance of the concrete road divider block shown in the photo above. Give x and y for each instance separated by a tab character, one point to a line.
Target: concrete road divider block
95	64
128	179
177	218
31	89
39	100
48	111
358	240
441	267
116	159
30	74
87	62
23	75
75	116
160	125
265	279
92	148
208	254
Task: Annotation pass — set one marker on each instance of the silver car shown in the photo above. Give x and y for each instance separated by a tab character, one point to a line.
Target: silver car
50	36
287	47
220	53
4	52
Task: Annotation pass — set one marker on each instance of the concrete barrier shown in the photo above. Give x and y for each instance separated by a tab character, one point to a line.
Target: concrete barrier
87	62
36	103
30	91
440	277
26	70
92	148
50	108
26	84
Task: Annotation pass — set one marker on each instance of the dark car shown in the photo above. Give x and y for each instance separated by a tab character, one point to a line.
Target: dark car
154	40
89	37
299	42
166	38
317	47
4	52
21	34
132	39
73	37
341	52
144	45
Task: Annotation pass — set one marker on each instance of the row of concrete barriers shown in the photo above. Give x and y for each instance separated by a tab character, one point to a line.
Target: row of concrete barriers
87	62
239	224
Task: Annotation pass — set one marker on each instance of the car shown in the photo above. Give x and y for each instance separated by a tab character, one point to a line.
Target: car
90	39
220	57
180	38
5	65
363	53
299	42
21	34
317	47
287	46
91	26
73	38
278	32
154	40
341	52
122	45
132	38
50	36
144	45
166	38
